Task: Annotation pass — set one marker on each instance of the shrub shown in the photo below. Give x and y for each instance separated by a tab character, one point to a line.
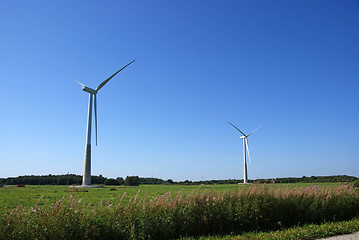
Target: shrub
356	183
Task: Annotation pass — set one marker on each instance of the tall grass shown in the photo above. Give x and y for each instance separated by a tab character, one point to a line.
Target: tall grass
171	216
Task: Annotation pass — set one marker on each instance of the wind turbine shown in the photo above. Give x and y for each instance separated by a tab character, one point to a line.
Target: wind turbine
86	179
245	150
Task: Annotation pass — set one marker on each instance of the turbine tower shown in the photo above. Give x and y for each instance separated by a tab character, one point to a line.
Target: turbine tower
86	179
245	151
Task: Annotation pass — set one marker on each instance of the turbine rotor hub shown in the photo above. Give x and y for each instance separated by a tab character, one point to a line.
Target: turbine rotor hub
89	90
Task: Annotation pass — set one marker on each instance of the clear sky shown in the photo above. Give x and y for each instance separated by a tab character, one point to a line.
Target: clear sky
292	66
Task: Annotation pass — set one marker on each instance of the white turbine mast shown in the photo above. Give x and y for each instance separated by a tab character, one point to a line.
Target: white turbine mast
86	179
245	151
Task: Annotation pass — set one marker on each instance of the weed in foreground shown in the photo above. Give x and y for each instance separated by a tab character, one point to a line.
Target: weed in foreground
169	216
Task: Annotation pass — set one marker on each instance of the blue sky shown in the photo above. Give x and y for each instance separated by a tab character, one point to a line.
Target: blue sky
292	66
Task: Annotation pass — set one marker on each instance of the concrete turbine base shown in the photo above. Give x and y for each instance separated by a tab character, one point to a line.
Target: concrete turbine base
87	186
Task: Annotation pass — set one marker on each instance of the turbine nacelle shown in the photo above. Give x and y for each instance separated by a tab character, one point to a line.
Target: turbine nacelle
242	137
89	90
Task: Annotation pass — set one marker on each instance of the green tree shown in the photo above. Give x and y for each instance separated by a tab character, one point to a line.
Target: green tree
120	180
111	181
132	181
98	179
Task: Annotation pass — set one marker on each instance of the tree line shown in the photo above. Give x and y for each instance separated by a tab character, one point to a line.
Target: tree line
304	179
72	179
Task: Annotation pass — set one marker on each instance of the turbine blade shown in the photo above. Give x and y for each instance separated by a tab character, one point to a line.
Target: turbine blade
79	83
237	129
95	116
254	130
108	79
249	156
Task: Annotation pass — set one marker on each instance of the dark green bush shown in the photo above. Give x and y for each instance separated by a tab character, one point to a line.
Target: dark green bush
356	183
111	181
132	181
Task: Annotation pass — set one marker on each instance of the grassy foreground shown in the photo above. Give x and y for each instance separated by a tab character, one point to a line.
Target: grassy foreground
297	233
170	216
307	232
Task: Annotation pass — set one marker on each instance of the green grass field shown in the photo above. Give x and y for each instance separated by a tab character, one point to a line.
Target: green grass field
297	233
171	211
27	196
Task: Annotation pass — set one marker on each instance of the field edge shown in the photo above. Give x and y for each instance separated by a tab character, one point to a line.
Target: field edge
308	232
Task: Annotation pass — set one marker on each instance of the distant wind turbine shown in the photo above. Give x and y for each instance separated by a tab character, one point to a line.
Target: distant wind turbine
86	179
245	150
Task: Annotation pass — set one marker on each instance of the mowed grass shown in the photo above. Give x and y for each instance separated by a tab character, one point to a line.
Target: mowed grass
27	196
14	196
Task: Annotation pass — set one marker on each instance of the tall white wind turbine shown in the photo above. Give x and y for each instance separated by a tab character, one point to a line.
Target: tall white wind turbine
245	151
86	179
